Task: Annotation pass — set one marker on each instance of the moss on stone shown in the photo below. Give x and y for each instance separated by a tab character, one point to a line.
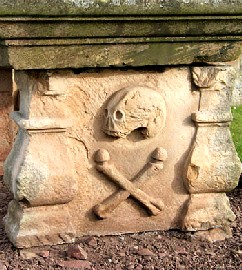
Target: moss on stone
78	33
122	27
119	55
104	7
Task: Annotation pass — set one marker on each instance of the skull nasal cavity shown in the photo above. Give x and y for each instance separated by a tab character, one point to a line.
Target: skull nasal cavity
106	112
119	115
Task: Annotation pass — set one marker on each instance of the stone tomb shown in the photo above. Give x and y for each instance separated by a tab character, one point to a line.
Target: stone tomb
123	114
124	151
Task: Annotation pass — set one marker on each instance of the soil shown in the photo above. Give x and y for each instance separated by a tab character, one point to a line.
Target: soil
150	251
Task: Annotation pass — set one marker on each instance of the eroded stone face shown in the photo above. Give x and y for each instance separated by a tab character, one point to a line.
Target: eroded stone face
83	136
206	211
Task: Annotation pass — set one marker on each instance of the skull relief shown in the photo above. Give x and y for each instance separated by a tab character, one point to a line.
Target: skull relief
132	108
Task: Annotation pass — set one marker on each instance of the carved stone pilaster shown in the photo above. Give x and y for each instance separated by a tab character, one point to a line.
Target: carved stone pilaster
213	165
37	170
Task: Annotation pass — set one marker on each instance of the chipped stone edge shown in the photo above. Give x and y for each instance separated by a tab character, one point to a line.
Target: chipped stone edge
41	124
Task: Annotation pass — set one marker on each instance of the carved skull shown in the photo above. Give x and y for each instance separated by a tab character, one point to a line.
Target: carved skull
132	108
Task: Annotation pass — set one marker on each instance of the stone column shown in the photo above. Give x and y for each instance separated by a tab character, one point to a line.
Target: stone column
38	171
6	106
213	164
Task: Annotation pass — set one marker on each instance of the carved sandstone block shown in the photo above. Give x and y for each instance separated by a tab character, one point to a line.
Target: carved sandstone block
135	184
110	149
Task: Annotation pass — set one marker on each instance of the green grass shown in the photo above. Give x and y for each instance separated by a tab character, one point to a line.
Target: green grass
236	129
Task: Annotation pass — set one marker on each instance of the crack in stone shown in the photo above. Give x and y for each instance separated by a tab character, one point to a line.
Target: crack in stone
83	143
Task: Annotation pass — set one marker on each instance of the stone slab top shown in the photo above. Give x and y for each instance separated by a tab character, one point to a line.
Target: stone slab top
52	34
118	7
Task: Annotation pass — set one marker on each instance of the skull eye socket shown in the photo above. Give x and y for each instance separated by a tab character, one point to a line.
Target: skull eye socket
119	115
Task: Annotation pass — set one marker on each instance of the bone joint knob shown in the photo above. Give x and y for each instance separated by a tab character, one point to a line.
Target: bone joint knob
159	154
102	155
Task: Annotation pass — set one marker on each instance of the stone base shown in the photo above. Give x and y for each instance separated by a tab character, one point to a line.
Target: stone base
209	210
213	235
44	225
119	152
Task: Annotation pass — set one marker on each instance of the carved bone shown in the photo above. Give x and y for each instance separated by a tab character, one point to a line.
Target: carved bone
104	209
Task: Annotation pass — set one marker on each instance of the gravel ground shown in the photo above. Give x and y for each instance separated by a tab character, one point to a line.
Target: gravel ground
150	251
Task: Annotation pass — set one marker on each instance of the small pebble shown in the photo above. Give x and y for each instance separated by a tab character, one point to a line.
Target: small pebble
27	255
76	264
77	252
44	253
145	252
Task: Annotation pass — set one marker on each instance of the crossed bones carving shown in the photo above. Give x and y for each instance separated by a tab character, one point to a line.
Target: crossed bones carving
129	188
